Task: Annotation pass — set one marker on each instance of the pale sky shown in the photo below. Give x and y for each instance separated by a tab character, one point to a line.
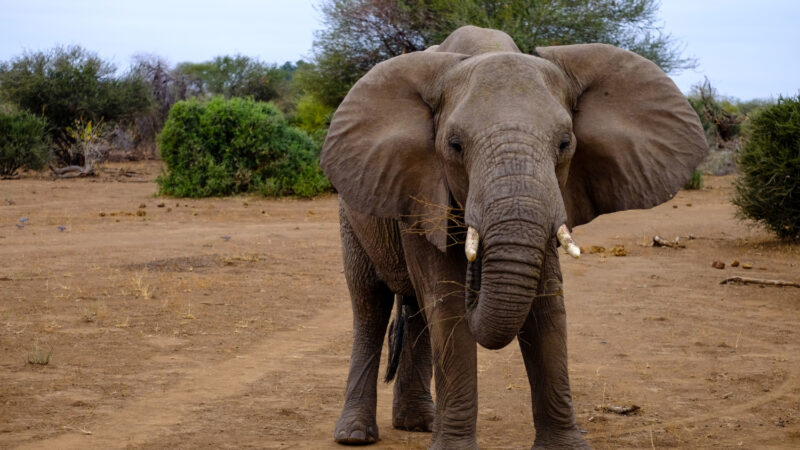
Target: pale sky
747	48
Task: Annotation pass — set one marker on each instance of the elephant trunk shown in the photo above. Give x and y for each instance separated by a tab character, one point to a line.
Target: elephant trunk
503	277
514	207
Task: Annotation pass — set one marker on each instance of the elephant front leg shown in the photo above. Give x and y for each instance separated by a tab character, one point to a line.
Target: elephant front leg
437	278
543	341
413	408
357	424
456	369
372	306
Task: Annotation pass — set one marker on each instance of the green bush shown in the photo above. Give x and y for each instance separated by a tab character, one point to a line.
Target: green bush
223	147
66	84
721	118
312	116
769	189
23	141
695	181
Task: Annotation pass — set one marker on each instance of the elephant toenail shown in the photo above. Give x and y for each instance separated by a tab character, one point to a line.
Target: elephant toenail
358	434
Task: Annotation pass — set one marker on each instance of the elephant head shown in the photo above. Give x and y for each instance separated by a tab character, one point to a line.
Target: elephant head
526	143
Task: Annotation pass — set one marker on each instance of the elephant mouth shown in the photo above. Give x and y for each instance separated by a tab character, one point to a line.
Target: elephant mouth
472	286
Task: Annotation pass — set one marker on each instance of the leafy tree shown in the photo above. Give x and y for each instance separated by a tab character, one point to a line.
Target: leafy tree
769	189
166	86
236	76
23	141
69	83
360	33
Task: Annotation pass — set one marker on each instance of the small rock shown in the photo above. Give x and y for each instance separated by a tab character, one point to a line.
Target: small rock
194	213
141	213
675	206
226	238
245	204
102	214
689	204
23	219
735	263
19	225
596	249
169	209
718	265
747	266
160	205
142	206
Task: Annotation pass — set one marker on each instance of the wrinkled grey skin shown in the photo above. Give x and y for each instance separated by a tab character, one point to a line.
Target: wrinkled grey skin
525	143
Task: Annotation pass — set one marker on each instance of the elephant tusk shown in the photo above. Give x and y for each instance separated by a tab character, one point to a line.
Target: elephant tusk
471	246
566	241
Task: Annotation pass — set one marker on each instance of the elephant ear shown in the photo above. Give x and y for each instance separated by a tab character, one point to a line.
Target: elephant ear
379	153
638	139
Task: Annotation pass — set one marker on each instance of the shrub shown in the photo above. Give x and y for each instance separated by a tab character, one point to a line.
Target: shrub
223	147
769	189
23	141
312	116
721	119
65	84
695	181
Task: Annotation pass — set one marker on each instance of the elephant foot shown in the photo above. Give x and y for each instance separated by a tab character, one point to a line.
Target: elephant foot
567	440
355	427
414	417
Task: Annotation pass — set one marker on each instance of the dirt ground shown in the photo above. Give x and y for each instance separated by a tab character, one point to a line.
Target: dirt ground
225	323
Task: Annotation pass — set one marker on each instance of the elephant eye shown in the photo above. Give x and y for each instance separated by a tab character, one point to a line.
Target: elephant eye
455	144
565	141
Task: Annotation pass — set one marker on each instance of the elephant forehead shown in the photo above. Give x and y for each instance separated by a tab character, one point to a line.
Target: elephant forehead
504	68
503	87
507	76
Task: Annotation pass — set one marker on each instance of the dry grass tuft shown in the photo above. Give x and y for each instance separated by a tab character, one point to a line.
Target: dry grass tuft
141	287
39	356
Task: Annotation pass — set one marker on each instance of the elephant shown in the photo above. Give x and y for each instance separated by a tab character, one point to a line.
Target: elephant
474	140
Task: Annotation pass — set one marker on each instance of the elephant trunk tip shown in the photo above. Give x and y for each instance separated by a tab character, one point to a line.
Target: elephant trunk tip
492	342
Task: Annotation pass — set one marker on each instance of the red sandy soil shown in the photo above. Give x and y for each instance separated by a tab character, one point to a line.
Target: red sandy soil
165	334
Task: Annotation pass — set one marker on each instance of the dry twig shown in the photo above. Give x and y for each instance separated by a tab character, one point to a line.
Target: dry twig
623	410
72	171
745	280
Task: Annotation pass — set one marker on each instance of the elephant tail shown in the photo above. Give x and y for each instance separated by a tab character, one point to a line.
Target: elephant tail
396	330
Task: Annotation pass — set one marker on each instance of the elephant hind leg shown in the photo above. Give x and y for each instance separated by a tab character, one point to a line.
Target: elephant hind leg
413	407
372	305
